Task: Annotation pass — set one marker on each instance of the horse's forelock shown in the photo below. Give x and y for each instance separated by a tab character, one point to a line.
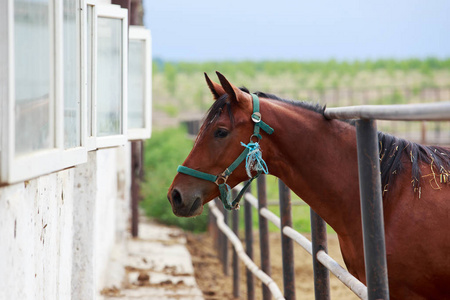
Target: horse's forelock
217	107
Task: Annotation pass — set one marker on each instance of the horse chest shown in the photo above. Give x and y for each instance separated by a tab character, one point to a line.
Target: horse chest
353	255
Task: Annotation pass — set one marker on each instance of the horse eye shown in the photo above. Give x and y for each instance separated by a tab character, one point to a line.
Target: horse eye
220	133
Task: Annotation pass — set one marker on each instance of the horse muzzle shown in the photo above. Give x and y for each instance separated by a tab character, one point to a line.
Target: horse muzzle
185	206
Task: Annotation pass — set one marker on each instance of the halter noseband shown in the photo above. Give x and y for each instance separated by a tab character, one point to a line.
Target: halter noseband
252	149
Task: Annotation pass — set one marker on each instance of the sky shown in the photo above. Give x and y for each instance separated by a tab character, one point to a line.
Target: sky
202	30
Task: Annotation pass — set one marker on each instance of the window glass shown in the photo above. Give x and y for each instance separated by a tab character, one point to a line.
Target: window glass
136	83
89	54
109	76
33	97
72	117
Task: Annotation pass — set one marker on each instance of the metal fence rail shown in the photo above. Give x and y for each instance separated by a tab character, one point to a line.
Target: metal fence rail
398	112
333	266
251	266
343	275
328	262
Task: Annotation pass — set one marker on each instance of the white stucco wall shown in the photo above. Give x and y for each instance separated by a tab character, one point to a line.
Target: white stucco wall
103	2
57	231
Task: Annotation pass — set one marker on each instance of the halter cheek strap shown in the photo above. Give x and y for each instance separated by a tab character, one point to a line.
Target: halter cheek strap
251	153
256	118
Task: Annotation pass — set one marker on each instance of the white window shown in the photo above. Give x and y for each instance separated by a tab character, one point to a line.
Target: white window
72	75
71	78
41	107
139	83
107	32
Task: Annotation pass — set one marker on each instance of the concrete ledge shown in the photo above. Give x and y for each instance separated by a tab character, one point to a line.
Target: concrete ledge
157	265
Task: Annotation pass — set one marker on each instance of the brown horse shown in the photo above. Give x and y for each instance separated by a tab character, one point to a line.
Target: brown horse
317	159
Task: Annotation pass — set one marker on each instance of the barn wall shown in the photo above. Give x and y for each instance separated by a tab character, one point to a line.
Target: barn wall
58	230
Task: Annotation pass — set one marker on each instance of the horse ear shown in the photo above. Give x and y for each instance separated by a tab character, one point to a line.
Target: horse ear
215	88
233	92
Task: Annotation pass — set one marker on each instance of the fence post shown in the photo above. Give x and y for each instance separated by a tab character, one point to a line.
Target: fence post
372	209
236	288
264	235
220	235
136	177
249	246
225	244
213	230
287	244
319	242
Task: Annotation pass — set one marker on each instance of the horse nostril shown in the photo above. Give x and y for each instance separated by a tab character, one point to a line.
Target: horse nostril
176	198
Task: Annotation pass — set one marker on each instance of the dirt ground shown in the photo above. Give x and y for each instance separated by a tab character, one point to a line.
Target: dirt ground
215	285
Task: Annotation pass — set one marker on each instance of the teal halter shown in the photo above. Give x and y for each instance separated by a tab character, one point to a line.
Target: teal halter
221	179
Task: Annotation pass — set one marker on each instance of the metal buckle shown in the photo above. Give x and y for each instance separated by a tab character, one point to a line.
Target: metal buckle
222	177
256	117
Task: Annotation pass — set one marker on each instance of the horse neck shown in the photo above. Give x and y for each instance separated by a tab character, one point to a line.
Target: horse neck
317	159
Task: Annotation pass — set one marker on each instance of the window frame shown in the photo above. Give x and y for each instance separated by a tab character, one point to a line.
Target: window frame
39	162
140	33
75	155
115	12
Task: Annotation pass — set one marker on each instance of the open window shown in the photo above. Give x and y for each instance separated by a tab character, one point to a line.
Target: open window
107	32
139	83
42	104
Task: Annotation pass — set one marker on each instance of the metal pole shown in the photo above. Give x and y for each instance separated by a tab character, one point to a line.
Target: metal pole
212	227
225	245
220	234
136	166
372	209
264	235
249	246
236	288
287	245
319	242
216	231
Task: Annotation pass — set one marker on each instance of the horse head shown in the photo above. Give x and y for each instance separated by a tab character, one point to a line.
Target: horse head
217	161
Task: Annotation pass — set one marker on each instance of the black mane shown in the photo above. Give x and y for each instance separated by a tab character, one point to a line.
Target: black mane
392	149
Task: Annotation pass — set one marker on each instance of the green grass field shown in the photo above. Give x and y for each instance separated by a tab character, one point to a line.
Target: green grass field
179	88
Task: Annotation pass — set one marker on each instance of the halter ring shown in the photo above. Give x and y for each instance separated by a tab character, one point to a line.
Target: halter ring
257	136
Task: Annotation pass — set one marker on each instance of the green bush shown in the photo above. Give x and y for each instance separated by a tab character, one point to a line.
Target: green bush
163	153
170	109
170	72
